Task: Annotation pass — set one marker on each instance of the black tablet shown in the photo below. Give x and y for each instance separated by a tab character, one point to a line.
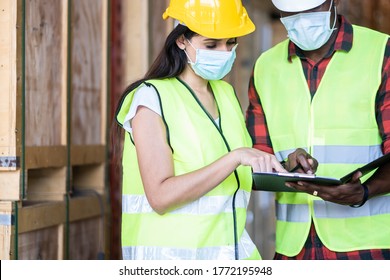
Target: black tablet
275	182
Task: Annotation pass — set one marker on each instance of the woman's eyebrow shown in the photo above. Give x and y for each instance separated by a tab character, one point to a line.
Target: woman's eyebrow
207	40
210	40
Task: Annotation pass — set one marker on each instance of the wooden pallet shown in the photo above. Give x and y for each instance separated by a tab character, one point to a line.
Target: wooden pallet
74	229
53	81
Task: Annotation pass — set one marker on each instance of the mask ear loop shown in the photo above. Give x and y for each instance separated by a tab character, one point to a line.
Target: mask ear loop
189	59
234	47
335	16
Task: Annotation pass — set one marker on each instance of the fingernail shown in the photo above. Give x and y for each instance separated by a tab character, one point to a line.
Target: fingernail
300	183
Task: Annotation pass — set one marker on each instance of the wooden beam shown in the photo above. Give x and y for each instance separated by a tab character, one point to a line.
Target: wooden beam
85	207
45	156
87	154
41	215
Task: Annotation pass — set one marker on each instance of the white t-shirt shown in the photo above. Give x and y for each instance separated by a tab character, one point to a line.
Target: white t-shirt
144	96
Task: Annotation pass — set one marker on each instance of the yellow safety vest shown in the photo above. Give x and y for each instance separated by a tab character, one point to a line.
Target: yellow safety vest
338	127
213	226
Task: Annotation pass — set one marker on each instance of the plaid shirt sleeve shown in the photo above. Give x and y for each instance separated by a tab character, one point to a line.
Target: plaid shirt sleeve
256	121
383	102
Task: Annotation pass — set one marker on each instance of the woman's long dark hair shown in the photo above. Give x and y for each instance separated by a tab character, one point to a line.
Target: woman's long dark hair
169	63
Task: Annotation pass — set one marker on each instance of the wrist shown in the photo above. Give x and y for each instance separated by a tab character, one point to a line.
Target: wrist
365	197
236	157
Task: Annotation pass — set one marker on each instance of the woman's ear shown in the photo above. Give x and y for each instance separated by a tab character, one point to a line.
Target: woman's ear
180	42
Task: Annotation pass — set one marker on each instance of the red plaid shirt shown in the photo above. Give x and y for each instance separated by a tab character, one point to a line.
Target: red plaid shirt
315	250
257	127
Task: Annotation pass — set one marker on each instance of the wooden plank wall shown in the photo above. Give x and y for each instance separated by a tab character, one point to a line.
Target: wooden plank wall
89	72
45	74
53	134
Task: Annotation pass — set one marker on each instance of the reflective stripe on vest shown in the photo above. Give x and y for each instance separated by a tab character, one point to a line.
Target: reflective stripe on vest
299	213
375	206
206	205
246	248
195	141
340	154
338	127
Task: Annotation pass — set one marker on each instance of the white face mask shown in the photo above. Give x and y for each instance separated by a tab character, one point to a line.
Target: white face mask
309	31
212	65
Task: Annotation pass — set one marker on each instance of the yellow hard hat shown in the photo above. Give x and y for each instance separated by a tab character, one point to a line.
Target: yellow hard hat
212	18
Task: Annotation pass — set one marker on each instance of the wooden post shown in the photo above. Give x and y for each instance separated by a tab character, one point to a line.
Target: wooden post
53	91
11	98
135	40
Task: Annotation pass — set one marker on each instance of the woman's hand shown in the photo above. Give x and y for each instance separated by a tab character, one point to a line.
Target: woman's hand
258	160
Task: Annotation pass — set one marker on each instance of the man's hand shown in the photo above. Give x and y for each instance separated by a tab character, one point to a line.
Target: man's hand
350	193
302	162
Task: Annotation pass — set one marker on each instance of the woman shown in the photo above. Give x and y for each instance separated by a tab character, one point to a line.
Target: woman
187	158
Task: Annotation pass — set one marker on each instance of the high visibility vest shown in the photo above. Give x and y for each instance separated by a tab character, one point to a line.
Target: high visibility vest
212	227
338	127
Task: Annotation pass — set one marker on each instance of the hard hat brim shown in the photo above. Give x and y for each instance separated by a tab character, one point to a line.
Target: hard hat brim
231	33
297	5
217	22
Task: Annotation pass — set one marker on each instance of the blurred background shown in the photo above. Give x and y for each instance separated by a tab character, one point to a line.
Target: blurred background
63	67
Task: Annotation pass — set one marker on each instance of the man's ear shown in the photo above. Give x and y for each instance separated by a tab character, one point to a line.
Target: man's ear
180	42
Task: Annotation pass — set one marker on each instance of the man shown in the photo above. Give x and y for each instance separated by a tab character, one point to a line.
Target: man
326	89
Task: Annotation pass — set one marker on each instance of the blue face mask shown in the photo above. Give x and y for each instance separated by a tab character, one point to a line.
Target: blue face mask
212	65
309	31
